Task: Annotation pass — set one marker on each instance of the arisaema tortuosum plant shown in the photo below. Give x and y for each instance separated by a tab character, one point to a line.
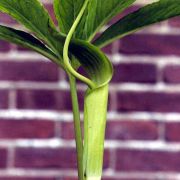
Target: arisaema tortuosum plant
71	46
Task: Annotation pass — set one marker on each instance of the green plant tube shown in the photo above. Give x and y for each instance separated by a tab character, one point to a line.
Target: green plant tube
95	110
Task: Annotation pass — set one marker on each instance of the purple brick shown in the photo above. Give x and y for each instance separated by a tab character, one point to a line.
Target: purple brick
23	49
4	46
108	49
175	22
148	101
6	19
135	72
63	158
67	130
4	99
171	74
46	99
13	129
29	71
144	160
27	178
150	45
172	132
131	130
3	158
50	9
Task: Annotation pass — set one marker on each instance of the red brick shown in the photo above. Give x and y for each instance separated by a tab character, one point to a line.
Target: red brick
135	72
67	130
3	158
13	129
27	178
171	74
50	9
69	178
172	131
132	130
63	158
6	19
4	99
144	160
148	101
143	44
175	22
4	46
46	99
29	71
108	49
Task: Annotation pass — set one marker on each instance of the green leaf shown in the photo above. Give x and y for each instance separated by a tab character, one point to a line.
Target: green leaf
26	40
97	14
33	16
150	14
66	12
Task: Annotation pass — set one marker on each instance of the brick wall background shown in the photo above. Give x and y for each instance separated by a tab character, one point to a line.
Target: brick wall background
143	132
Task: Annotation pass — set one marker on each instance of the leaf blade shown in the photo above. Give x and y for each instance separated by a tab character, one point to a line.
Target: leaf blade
104	11
97	14
34	17
150	14
26	40
66	12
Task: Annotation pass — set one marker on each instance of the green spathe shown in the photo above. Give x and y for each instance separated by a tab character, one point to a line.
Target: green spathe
95	109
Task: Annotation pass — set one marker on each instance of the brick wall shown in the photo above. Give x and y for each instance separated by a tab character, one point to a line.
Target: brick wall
143	132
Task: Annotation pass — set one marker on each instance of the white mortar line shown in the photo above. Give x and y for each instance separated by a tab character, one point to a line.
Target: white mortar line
20	172
109	144
63	85
143	175
67	116
161	175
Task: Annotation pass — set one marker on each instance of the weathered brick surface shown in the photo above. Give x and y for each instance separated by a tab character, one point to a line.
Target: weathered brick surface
135	72
14	129
4	94
45	158
3	158
128	130
143	160
6	19
171	74
27	178
29	71
143	44
172	131
4	46
175	22
148	101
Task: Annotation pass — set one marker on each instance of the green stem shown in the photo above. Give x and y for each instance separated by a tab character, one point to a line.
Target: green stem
66	49
77	126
